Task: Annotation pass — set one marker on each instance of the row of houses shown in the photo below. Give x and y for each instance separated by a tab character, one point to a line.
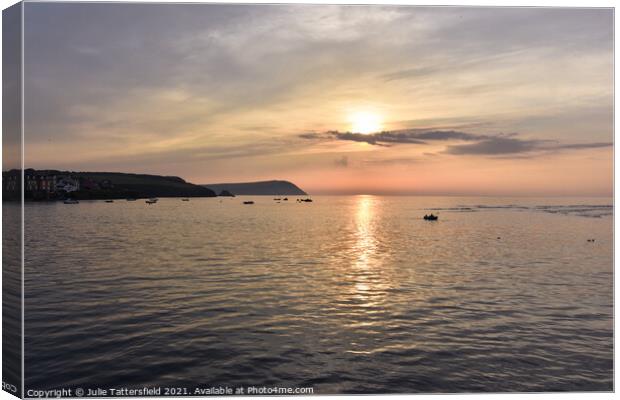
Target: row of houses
50	183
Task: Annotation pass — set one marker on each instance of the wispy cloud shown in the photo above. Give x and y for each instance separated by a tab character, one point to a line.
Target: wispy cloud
584	145
386	138
496	146
410	73
500	144
391	161
216	91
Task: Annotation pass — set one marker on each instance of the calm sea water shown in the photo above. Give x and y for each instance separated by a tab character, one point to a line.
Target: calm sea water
346	294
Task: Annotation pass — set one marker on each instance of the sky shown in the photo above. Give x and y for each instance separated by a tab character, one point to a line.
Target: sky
337	99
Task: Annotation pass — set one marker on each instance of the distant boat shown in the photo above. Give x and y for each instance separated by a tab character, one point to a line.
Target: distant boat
152	200
184	199
248	202
277	199
431	217
304	200
285	199
109	201
130	199
71	201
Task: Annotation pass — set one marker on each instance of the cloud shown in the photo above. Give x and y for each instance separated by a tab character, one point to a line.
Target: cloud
445	135
386	138
585	145
391	161
310	135
134	87
500	144
377	139
409	73
496	146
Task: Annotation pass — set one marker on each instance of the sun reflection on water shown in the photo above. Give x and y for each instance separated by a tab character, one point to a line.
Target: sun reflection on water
366	296
366	242
365	273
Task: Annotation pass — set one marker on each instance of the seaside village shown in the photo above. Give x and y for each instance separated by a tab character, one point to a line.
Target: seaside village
48	185
70	187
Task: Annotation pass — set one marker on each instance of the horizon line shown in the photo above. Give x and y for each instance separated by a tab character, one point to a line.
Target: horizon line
320	192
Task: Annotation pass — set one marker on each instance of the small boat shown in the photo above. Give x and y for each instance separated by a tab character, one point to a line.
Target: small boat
248	202
285	199
431	217
109	201
152	200
184	199
305	200
130	199
277	199
71	201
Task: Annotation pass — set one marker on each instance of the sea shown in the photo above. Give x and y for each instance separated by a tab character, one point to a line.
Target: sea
345	294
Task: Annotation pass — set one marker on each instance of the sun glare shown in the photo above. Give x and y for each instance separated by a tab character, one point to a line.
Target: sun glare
365	123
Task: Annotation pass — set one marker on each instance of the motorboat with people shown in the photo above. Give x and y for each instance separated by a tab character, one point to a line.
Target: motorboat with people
431	217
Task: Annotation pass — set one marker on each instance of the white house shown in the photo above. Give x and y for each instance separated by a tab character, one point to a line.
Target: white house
67	184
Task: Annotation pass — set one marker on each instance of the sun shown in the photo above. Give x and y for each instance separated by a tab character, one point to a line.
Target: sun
365	122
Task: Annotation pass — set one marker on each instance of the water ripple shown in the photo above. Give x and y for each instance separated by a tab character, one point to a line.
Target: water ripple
352	295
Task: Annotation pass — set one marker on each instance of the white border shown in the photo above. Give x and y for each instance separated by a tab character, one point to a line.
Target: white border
484	3
23	148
